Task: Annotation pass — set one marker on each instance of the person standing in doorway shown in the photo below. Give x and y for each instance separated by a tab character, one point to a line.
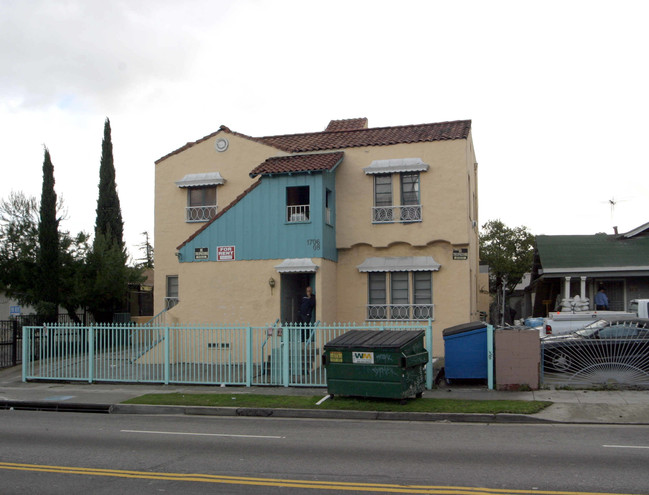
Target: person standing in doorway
307	308
601	300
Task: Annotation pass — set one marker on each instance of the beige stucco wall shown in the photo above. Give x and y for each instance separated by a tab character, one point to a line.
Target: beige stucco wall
238	292
222	293
443	191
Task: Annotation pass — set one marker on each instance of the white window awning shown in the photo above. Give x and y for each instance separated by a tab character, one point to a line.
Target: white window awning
396	165
399	264
297	265
200	180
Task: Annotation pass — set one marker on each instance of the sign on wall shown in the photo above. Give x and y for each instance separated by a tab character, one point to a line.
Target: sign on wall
461	254
201	253
225	253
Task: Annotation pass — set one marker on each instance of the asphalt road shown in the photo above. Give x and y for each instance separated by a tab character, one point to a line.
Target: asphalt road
51	453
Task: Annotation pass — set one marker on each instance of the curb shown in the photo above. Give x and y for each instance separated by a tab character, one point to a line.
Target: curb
55	406
328	414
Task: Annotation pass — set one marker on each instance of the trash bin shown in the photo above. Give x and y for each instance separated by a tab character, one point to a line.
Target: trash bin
376	363
465	351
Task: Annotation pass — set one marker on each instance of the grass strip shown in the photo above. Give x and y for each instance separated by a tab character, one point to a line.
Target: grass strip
342	403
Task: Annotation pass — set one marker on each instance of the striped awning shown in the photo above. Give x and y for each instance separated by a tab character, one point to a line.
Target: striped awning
199	180
396	165
399	264
297	265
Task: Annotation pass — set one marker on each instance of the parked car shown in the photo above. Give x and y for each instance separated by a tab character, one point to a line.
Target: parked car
603	343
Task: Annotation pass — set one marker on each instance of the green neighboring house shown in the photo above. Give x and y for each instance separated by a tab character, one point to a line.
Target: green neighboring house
569	265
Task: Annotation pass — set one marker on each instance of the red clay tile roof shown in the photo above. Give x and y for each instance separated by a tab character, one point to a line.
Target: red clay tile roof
298	163
347	124
341	139
378	136
222	212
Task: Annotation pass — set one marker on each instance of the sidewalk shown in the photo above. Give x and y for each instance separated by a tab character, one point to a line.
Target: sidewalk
569	406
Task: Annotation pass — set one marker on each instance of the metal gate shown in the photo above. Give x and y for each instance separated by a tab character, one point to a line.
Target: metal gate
602	354
10	344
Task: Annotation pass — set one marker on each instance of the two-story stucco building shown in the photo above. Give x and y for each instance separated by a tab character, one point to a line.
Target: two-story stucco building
381	222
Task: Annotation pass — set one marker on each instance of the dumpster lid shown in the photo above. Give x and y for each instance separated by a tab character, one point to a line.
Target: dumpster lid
381	339
464	327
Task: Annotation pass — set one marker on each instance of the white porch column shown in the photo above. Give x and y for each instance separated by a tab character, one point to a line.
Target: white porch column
583	288
566	288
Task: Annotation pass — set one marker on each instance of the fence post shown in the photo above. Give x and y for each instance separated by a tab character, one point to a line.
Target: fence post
249	357
91	353
14	343
286	342
490	357
167	360
429	344
26	346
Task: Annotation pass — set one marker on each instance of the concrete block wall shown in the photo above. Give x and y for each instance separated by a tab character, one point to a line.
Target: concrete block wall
518	357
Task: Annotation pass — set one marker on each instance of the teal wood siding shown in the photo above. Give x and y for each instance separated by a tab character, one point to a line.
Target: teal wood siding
329	229
257	228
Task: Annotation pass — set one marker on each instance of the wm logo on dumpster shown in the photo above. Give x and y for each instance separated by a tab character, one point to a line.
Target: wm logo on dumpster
363	357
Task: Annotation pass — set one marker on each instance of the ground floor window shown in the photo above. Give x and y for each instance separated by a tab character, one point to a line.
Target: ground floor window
400	295
171	298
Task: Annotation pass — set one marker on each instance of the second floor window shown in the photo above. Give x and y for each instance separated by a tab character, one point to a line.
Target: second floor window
383	198
298	208
201	203
385	210
410	199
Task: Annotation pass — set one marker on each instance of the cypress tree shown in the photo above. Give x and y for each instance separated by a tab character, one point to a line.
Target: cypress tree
109	274
47	260
109	214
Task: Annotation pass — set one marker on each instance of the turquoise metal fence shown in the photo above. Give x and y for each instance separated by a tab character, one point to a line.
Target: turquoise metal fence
275	355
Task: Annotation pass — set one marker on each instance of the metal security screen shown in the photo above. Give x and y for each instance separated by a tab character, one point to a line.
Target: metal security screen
604	353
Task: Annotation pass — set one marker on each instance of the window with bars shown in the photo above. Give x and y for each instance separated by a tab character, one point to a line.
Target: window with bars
410	198
410	296
171	298
383	198
201	203
385	211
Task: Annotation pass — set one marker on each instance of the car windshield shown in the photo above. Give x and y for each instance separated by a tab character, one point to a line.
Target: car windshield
591	328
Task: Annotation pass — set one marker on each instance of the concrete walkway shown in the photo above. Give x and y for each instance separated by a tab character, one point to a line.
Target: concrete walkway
569	406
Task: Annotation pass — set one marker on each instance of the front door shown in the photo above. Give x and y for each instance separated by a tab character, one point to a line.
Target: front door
293	288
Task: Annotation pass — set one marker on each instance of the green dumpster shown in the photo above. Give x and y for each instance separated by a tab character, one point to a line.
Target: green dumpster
376	363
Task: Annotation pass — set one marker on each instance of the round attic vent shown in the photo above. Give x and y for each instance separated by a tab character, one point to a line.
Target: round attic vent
221	144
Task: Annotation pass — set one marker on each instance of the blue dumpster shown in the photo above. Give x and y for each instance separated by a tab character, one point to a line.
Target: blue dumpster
465	351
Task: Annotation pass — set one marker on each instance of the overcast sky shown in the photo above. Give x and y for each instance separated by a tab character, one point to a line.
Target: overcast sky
557	92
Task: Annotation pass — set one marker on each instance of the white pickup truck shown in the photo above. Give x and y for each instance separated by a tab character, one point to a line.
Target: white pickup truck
564	322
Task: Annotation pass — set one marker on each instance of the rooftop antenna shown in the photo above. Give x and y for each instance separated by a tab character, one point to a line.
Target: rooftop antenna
613	203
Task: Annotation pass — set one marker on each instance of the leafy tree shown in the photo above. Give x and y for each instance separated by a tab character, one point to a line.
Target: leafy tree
509	252
47	284
109	214
73	255
19	245
147	260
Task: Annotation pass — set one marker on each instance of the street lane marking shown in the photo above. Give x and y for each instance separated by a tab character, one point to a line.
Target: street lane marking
319	485
200	434
627	446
